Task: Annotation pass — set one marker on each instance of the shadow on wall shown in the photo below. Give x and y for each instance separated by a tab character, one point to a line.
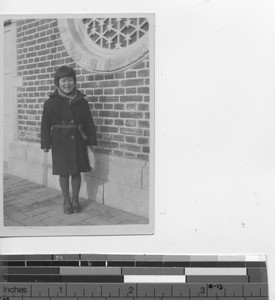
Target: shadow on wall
95	179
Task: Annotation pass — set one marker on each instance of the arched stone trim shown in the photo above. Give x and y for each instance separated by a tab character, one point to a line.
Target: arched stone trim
96	54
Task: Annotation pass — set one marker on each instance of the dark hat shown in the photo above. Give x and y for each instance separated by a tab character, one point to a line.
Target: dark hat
63	71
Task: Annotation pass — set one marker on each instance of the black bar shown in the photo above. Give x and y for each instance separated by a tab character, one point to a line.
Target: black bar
39	263
93	264
256	264
149	263
14	263
183	264
121	263
30	278
213	264
60	278
98	278
230	264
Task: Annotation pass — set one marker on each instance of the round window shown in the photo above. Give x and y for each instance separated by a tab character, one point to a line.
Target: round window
105	44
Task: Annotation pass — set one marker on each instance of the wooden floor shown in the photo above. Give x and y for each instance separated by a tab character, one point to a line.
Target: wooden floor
29	204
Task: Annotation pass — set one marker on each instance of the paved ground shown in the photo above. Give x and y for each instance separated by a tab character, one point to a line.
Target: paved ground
30	204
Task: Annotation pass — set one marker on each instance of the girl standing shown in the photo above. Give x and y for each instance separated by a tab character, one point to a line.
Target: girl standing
67	128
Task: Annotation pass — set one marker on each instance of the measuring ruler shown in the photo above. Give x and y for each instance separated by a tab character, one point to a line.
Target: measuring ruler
144	277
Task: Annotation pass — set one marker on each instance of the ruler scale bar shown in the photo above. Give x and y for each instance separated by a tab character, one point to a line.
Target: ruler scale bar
102	276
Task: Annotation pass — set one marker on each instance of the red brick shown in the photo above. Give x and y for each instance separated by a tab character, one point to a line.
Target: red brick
91	85
131	123
44	64
92	99
131	98
31	89
31	112
146	149
90	77
144	124
108	106
119	75
131	90
98	106
42	40
119	122
57	62
134	115
143	107
119	138
109	114
43	88
109	76
107	137
119	106
131	131
110	83
131	106
98	91
140	65
108	122
131	74
30	123
43	52
143	90
143	73
99	77
98	121
108	144
119	91
130	139
108	129
108	92
146	132
108	99
132	82
143	156
143	141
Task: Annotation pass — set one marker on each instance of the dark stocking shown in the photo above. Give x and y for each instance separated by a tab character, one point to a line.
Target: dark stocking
76	183
64	184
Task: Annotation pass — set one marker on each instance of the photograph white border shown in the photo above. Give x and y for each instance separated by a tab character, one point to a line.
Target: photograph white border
93	230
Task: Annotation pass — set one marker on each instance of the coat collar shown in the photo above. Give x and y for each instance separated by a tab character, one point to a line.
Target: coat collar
77	97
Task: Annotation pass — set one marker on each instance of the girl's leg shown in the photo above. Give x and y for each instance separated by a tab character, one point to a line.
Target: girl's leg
76	183
64	184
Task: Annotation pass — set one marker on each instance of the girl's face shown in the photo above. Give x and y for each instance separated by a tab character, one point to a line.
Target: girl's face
67	85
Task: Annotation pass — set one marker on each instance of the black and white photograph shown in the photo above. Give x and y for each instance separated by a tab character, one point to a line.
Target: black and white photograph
78	124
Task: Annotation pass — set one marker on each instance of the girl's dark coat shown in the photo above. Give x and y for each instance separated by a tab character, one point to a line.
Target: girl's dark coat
69	148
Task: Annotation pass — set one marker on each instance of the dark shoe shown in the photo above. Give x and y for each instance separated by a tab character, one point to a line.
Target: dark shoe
67	207
76	206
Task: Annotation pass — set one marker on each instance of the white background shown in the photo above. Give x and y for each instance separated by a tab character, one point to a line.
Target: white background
215	130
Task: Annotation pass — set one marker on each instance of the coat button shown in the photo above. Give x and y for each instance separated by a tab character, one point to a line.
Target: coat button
72	122
73	137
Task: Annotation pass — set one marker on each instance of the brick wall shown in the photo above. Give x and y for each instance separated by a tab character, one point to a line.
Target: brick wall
119	102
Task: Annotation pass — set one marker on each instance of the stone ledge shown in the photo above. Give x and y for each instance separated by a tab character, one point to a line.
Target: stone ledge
118	182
